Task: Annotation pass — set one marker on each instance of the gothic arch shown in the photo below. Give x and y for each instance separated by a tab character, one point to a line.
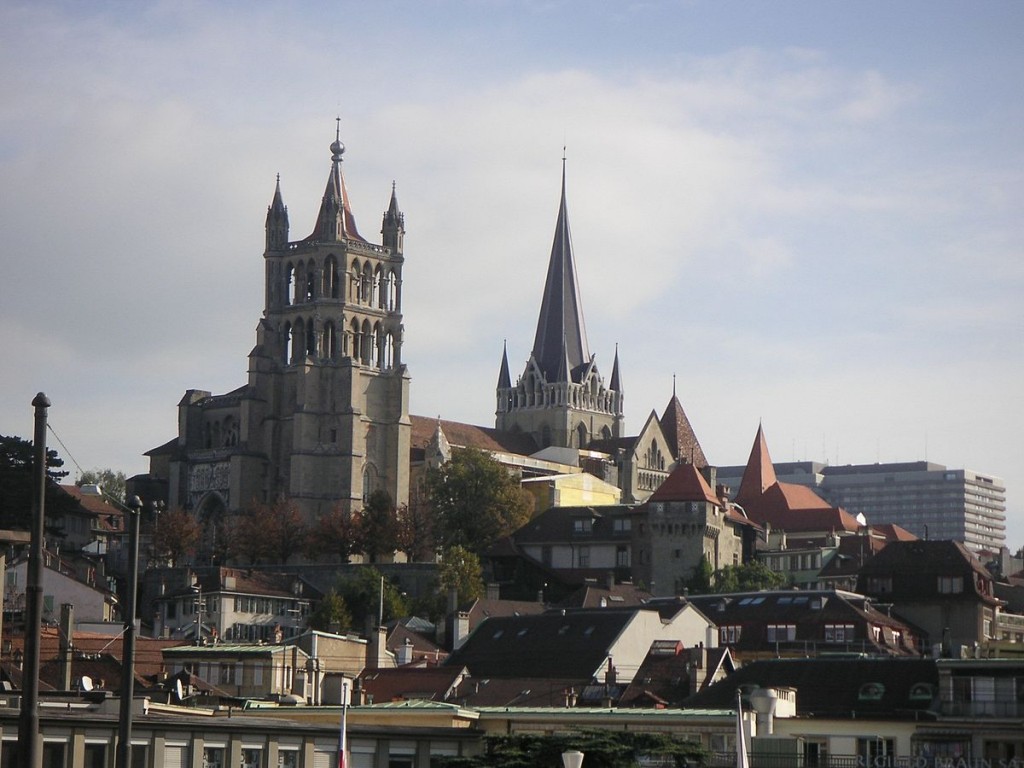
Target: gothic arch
288	337
357	340
289	284
298	283
366	284
330	277
310	338
330	341
371	480
211	512
582	435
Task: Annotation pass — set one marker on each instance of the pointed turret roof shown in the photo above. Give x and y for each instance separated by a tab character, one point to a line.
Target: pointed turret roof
680	435
561	333
504	380
277	208
394	213
335	200
615	385
686	483
759	475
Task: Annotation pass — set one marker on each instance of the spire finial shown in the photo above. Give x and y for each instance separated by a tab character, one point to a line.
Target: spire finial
673	385
337	148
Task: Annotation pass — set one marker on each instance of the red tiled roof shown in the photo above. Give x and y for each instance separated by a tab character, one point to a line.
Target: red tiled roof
685	483
471	436
759	475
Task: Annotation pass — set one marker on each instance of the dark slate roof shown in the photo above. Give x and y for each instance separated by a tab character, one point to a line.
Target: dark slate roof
663	678
914	567
869	688
561	337
429	684
518	691
556	524
549	645
483	608
595	596
809	611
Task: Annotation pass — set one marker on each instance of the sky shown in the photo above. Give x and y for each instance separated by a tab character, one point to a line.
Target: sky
806	215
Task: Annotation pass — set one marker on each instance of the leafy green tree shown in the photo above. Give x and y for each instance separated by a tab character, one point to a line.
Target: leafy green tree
700	582
175	535
16	481
475	500
460	570
601	749
110	482
330	615
361	592
749	577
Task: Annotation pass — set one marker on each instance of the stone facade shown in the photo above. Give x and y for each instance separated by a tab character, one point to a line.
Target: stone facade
324	417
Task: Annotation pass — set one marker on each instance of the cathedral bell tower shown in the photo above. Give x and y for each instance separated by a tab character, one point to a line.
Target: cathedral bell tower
561	398
325	415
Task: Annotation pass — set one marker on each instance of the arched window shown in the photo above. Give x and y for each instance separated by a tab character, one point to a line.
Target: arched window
376	346
330	348
230	432
289	343
389	351
367	284
330	278
370	481
393	292
310	283
355	284
357	341
310	339
380	292
289	282
298	284
581	435
606	434
366	347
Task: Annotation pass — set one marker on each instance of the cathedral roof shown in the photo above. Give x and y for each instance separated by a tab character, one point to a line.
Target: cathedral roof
504	379
561	339
470	436
680	435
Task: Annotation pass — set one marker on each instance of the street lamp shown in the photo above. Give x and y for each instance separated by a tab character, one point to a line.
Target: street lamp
572	758
124	733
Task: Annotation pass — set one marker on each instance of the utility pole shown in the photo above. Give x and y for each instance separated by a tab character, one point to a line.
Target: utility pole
29	754
124	731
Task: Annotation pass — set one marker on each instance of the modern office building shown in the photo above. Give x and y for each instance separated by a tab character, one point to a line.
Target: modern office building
928	499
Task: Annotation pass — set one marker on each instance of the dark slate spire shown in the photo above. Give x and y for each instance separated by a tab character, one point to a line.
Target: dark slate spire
393	227
335	220
277	220
682	440
504	380
615	385
561	334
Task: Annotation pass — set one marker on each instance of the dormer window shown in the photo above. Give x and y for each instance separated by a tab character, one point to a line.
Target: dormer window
922	692
871	692
583	525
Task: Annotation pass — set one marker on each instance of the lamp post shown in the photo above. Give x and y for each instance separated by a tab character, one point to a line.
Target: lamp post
572	758
124	732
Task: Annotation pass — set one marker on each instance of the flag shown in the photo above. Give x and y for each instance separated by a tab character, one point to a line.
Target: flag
742	759
342	746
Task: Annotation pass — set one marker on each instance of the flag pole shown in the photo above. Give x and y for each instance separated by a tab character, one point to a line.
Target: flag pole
342	745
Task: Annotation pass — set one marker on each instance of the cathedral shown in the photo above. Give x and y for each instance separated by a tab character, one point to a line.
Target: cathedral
324	417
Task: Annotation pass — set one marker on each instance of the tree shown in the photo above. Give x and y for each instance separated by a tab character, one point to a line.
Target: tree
336	533
268	532
475	500
602	749
378	526
700	582
330	615
110	482
415	532
460	570
16	481
175	535
749	577
361	593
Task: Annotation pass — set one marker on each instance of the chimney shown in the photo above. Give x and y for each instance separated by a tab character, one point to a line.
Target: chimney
405	653
493	591
377	649
460	629
609	579
453	600
609	675
67	647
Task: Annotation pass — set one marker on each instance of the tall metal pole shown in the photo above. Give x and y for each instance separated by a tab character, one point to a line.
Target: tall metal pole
124	732
28	724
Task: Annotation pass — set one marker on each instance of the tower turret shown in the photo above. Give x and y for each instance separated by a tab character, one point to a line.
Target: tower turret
393	227
277	220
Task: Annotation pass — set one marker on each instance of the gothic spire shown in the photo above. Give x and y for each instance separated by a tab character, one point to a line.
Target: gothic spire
615	384
277	219
504	380
393	227
561	333
335	220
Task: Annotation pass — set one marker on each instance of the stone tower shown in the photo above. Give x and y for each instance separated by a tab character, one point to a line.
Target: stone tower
561	398
324	418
